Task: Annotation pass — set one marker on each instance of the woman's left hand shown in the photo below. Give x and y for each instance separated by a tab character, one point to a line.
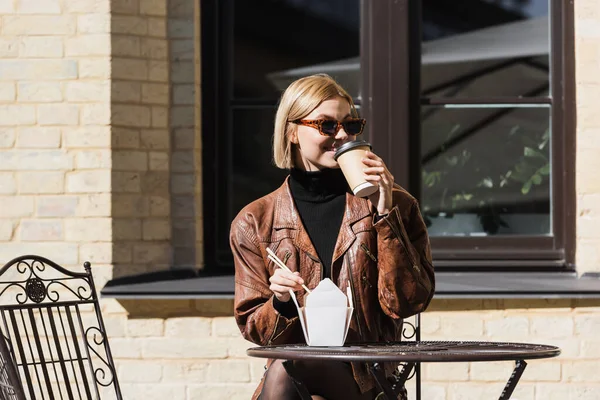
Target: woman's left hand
377	173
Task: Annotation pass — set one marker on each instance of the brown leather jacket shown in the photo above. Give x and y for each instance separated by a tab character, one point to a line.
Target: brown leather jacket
388	265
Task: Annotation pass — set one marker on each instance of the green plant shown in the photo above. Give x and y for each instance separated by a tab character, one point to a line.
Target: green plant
534	167
523	169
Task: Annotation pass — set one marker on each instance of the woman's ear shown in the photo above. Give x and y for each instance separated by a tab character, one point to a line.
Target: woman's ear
293	135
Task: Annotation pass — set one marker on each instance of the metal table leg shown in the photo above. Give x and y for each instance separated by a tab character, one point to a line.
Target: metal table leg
300	387
391	391
402	377
513	380
418	380
382	383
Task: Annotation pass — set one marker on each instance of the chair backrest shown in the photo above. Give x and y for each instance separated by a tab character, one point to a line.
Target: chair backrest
410	373
53	326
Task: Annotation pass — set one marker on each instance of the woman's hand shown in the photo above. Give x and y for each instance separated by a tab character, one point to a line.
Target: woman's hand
281	283
377	172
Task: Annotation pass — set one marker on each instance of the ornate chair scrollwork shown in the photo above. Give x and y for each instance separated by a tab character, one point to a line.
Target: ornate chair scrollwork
54	331
411	372
407	374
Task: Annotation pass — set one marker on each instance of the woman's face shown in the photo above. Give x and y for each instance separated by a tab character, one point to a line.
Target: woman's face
314	151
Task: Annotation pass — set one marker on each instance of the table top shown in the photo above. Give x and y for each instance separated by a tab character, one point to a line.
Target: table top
423	351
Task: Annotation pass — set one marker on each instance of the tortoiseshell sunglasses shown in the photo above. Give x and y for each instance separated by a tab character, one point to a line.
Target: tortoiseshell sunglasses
330	127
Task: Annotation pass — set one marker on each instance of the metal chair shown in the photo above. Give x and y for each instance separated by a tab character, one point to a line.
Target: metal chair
54	332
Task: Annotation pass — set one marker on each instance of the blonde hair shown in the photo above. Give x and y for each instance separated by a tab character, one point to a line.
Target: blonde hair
299	99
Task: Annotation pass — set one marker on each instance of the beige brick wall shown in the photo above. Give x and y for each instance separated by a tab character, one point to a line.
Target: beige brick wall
184	34
141	141
155	136
55	158
569	324
587	45
190	358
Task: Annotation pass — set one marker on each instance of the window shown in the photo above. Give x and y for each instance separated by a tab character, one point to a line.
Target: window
470	103
251	51
495	132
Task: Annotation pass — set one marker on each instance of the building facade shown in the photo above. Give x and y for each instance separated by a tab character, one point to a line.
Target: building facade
101	160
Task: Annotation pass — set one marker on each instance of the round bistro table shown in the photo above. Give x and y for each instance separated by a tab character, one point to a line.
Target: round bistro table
409	353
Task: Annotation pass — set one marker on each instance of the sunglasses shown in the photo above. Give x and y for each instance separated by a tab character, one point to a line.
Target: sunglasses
330	127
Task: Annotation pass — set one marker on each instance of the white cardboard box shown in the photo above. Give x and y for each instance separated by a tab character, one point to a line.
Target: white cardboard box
325	318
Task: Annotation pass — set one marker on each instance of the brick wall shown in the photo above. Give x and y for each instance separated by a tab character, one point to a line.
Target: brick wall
185	357
184	40
569	324
587	47
141	143
55	166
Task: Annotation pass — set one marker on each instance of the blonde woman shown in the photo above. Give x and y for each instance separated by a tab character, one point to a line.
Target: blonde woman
317	226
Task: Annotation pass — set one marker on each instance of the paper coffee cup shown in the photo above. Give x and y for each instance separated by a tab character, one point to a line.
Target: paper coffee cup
349	156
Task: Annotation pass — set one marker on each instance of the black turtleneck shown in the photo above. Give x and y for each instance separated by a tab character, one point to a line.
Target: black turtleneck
320	197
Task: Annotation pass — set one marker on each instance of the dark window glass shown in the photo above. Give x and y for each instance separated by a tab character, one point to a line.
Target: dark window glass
252	50
479	48
278	41
486	118
253	173
486	171
525	78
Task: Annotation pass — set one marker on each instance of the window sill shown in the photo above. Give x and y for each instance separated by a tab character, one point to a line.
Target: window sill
188	284
172	284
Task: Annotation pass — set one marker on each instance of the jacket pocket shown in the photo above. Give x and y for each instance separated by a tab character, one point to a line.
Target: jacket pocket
270	341
286	256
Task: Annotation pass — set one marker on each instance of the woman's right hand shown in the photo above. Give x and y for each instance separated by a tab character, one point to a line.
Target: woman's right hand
281	283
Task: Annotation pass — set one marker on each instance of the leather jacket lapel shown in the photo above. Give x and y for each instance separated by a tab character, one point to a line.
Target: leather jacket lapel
356	209
287	217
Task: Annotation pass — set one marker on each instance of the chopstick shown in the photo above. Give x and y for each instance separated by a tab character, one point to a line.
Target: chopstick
281	265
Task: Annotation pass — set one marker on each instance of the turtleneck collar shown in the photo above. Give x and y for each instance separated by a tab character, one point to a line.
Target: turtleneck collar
317	186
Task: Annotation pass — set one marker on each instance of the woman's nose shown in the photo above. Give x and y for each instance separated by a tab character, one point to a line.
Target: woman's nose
341	134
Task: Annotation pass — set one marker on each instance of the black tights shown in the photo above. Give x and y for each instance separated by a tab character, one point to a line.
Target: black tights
332	380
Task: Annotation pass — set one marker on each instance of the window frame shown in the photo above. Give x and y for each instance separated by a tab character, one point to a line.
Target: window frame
393	110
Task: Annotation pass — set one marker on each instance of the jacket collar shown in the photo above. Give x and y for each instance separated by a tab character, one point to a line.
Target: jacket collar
357	209
287	217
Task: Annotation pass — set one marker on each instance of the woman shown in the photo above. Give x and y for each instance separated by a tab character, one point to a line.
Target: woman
318	228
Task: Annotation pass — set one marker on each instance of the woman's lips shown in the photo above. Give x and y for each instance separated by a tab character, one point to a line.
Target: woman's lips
332	148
